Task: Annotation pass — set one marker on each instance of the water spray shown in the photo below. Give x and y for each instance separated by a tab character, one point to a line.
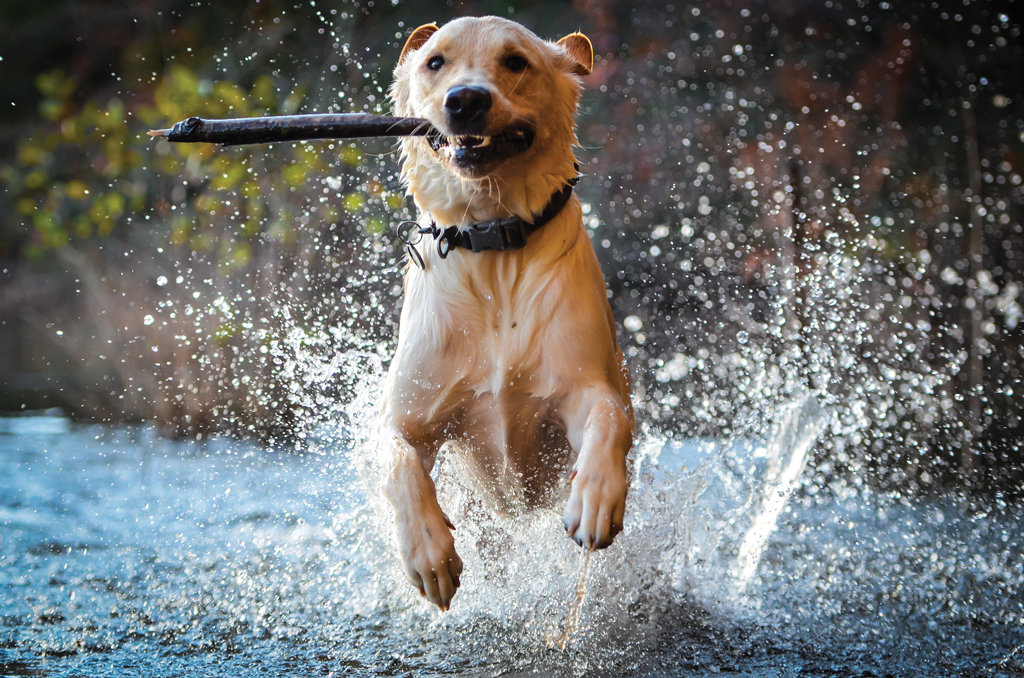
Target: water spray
572	617
801	423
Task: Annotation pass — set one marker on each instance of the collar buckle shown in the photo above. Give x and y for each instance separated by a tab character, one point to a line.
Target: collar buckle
496	234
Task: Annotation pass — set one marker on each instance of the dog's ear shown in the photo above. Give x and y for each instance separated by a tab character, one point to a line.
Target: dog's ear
416	40
579	49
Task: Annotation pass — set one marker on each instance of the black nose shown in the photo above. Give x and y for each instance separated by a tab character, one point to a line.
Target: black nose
467	104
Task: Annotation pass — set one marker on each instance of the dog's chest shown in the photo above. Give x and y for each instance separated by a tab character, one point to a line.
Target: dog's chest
476	346
500	344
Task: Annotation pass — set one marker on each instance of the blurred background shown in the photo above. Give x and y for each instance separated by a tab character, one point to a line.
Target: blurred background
796	197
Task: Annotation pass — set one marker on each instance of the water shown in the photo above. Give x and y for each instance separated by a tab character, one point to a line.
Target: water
124	553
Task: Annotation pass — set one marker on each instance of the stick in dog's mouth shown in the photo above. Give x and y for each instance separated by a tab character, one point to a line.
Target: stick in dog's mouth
472	149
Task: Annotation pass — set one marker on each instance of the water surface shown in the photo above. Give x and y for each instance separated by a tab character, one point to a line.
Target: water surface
125	554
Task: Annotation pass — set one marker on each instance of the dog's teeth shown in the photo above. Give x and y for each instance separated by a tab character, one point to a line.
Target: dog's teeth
472	141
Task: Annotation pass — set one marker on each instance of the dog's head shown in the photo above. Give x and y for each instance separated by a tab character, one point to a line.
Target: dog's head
501	99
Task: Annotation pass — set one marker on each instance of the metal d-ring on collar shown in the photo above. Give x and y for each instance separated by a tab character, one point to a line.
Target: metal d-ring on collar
500	235
410	233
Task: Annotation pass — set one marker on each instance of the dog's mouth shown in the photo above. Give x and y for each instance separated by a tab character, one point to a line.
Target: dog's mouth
470	151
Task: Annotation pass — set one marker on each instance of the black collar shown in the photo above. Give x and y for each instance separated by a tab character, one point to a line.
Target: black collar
509	233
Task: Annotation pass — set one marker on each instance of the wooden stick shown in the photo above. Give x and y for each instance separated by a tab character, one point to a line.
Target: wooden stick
271	129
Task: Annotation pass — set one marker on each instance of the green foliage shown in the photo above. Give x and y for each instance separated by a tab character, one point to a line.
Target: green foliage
90	172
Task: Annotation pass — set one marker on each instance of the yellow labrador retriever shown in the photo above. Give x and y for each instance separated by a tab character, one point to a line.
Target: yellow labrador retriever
506	348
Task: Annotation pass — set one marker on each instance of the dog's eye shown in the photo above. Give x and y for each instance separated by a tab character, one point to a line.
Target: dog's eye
435	63
516	63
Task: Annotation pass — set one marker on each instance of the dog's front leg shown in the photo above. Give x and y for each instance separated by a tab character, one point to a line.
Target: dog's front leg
601	431
425	542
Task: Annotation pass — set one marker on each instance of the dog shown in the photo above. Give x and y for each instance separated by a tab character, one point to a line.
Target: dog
507	351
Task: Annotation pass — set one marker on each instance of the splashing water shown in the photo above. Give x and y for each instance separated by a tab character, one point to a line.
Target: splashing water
787	455
121	549
572	618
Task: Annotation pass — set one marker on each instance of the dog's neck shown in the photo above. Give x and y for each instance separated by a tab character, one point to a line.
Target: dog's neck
449	200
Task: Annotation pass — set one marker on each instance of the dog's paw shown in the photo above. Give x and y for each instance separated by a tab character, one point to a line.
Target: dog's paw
428	553
597	503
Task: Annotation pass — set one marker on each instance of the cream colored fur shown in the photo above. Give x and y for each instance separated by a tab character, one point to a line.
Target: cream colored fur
509	358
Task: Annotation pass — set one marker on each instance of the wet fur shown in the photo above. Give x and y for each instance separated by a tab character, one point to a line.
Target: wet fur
508	358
